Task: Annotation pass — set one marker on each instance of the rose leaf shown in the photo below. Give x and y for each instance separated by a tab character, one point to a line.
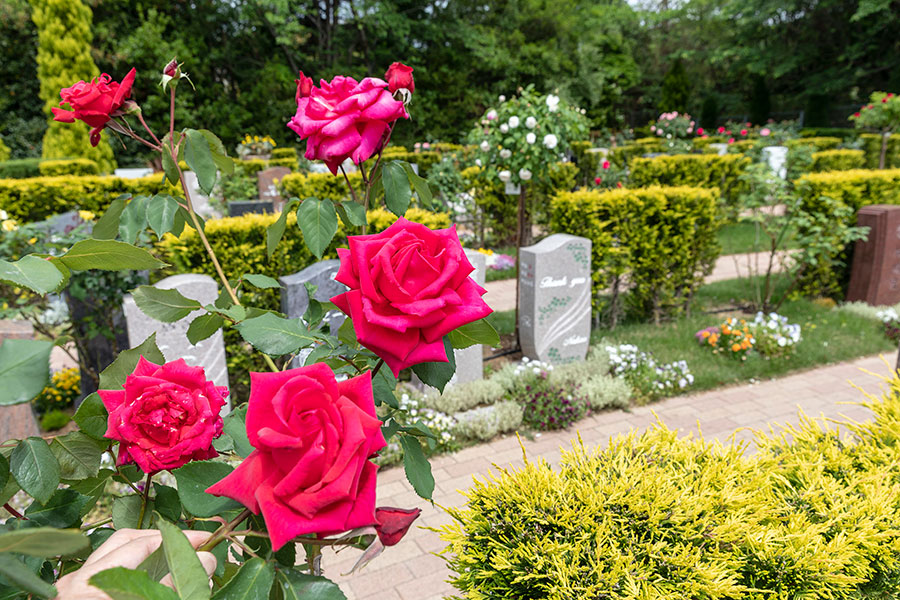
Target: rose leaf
127	510
37	274
18	573
44	542
252	582
91	417
24	369
203	327
167	306
78	455
188	574
120	583
476	332
199	158
107	226
62	510
397	192
161	212
193	479
438	374
275	231
318	221
301	586
35	468
274	335
113	376
417	467
108	255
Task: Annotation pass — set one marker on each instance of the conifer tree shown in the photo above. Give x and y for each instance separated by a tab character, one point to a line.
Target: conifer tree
63	58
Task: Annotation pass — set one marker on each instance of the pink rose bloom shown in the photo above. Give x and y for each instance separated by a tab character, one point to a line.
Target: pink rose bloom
605	164
730	140
344	119
409	287
721	130
765	131
598	180
743	132
699	131
313	436
165	416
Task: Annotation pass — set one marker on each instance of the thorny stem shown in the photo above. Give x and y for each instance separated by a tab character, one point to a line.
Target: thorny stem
222	533
145	499
242	545
377	367
144	123
119	473
347	179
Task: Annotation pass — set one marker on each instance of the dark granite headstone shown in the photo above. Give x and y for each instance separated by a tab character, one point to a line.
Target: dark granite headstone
243	207
295	300
267	180
875	271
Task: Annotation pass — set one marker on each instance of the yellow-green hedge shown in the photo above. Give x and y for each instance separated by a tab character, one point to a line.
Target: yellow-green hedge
813	514
816	143
621	156
837	160
854	189
872	147
36	198
662	240
68	166
285	153
697	170
4	150
741	146
319	185
588	163
702	143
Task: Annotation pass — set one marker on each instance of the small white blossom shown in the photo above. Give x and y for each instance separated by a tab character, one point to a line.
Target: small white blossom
530	122
524	174
491	115
552	102
505	153
550	141
502	98
513	122
504	128
485	146
504	175
530	137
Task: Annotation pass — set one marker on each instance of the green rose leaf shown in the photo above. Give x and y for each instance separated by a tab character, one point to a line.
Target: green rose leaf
199	158
356	213
167	306
108	255
203	327
318	221
24	369
133	219
275	231
37	274
35	468
161	212
23	577
92	487
120	583
261	281
193	479
113	376
477	332
397	193
438	374
188	575
274	335
234	424
127	510
107	227
91	417
300	586
420	185
62	510
77	454
383	385
252	582
4	471
417	467
166	501
44	542
219	154
168	163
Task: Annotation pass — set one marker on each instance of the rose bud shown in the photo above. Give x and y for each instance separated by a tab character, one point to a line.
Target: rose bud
399	76
391	524
304	86
172	68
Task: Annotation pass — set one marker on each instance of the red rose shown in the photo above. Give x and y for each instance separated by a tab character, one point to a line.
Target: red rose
884	100
730	140
391	524
856	114
399	76
304	86
166	416
699	131
743	132
310	471
618	184
605	164
344	119
95	103
598	180
721	130
409	287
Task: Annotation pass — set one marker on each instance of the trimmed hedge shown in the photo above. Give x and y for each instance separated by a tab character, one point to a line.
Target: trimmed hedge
814	513
855	189
837	160
20	168
872	147
285	153
35	199
696	170
621	156
68	166
662	240
741	146
4	151
816	143
319	185
845	133
702	143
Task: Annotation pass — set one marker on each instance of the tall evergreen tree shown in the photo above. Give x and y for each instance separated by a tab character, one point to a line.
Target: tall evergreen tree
63	58
676	89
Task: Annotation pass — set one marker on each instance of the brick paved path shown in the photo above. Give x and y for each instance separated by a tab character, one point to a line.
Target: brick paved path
409	571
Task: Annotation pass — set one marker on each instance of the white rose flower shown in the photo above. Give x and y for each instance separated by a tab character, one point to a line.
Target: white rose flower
504	128
491	115
583	111
504	175
502	98
552	102
3	215
668	136
524	174
530	122
513	122
478	162
550	141
530	138
505	153
485	146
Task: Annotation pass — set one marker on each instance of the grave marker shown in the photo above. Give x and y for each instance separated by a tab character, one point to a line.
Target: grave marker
470	361
268	188
875	271
555	299
18	421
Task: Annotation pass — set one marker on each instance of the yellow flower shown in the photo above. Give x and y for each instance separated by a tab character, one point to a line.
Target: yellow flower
86	215
9	225
33	240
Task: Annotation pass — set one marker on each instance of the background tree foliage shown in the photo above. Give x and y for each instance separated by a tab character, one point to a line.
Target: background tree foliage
822	57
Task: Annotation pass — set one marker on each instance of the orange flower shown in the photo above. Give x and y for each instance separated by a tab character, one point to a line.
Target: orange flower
735	347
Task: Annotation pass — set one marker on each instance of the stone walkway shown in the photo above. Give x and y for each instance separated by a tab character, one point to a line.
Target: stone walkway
501	295
410	570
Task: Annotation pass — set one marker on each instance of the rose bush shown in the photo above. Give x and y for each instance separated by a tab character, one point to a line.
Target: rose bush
409	287
165	416
94	102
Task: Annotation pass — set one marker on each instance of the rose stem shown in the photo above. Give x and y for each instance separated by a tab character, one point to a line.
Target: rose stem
371	178
220	534
346	359
90	526
377	367
242	546
14	512
144	123
312	551
145	498
119	473
347	179
196	223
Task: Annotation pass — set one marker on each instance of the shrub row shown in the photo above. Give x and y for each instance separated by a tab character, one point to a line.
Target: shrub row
661	239
695	170
37	167
35	199
815	513
621	156
837	160
816	143
872	147
856	188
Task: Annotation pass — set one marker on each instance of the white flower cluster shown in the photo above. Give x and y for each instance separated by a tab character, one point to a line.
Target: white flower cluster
440	424
888	315
776	328
627	360
533	367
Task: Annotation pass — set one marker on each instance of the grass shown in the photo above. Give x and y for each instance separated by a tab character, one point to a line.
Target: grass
740	238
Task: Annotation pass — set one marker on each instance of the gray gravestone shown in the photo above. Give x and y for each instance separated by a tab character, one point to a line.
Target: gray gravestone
470	361
199	200
776	157
294	299
267	182
136	173
236	208
555	299
17	421
172	337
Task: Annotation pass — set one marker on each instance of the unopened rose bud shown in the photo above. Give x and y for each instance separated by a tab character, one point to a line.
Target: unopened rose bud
304	86
171	68
399	76
391	524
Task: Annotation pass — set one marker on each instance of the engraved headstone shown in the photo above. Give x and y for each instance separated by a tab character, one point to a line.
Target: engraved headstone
295	300
267	181
237	208
470	361
17	421
172	337
875	271
555	298
63	223
776	156
134	173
